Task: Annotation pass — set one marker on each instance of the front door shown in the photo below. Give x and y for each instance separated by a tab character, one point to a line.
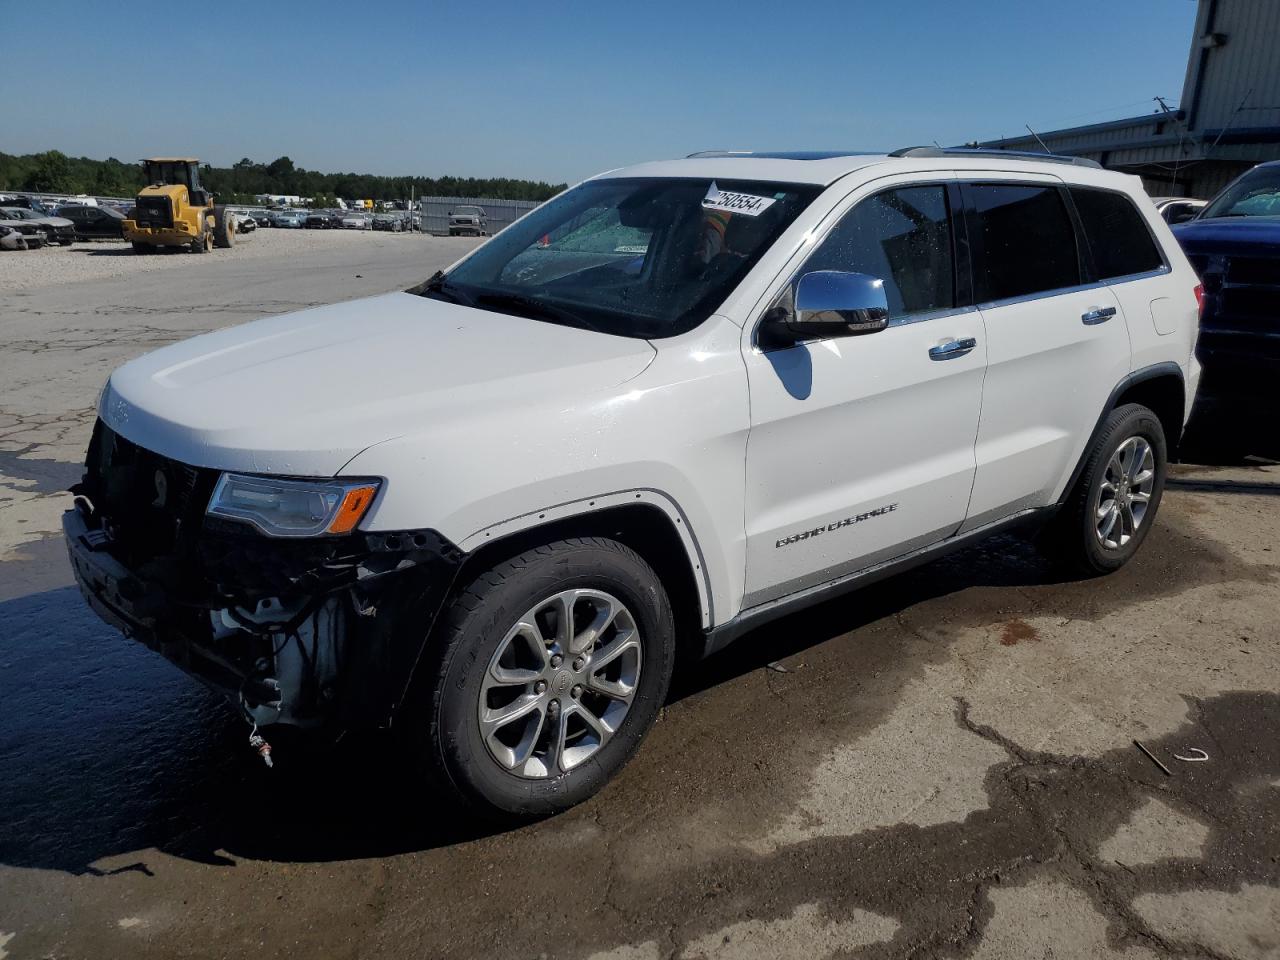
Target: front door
862	448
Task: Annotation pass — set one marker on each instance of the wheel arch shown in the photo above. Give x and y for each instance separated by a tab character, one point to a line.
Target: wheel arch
647	521
1161	388
1163	392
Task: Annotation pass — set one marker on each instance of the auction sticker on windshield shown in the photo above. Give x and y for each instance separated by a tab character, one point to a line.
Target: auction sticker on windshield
730	202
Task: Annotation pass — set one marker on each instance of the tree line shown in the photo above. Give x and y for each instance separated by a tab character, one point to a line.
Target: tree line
54	172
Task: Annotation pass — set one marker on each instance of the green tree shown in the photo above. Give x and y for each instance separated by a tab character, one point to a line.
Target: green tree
281	168
56	173
52	173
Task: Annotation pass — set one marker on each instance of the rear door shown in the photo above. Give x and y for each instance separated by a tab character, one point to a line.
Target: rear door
1124	254
1056	344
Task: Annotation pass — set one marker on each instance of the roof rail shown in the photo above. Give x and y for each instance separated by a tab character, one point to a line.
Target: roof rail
782	154
1003	154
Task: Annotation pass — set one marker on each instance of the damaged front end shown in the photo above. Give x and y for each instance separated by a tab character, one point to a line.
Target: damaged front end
317	631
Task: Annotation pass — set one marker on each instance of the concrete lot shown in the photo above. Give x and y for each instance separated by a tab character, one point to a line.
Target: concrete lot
941	765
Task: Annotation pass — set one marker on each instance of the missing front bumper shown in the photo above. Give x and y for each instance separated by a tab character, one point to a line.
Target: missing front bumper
334	643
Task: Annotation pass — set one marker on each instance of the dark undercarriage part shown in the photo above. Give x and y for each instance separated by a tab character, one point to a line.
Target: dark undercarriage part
317	632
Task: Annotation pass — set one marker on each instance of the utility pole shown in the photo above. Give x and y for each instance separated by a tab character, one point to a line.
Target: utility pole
1182	135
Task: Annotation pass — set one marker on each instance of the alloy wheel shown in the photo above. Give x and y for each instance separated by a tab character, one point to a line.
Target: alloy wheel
560	683
1125	493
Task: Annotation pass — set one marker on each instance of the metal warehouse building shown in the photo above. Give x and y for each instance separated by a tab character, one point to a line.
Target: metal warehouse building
1228	119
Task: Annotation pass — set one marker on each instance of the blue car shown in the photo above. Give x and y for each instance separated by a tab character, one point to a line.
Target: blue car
1234	245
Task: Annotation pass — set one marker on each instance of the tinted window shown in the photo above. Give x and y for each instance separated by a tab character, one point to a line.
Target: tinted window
1024	241
1118	238
903	237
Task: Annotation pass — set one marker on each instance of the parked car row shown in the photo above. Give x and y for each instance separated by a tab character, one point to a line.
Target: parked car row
95	219
55	229
355	220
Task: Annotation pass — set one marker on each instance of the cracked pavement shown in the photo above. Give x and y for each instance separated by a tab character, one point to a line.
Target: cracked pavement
946	767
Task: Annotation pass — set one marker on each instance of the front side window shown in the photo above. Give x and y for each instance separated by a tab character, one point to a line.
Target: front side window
903	237
1117	235
1023	239
634	257
1256	194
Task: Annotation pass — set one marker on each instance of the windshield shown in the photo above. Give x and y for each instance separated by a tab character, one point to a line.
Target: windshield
643	258
171	173
1256	194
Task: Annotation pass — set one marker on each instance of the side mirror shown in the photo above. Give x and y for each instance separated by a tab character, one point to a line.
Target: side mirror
830	303
1182	216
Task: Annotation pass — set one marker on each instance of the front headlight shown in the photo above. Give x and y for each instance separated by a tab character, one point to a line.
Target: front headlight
293	508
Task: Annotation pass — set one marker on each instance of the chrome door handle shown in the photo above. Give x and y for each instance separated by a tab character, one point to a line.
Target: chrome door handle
952	349
1098	315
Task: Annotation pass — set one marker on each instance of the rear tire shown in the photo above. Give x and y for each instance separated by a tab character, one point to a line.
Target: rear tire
518	769
1113	504
224	228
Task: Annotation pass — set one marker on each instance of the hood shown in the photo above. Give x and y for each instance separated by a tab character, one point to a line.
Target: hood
303	393
1230	235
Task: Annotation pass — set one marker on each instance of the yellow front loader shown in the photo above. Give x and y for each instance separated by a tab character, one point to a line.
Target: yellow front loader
173	210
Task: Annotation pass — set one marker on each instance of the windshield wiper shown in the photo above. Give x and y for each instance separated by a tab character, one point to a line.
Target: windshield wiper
534	309
437	285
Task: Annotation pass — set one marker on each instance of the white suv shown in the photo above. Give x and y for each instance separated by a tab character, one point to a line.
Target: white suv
677	401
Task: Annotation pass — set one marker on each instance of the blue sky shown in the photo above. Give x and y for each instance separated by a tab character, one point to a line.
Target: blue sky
558	91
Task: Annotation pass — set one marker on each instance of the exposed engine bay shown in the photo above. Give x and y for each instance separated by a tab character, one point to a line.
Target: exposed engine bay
292	631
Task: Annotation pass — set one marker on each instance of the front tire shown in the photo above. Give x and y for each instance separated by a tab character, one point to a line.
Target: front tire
547	671
1114	502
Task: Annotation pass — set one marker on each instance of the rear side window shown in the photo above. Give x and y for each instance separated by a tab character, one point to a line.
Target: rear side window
902	236
1118	238
1025	242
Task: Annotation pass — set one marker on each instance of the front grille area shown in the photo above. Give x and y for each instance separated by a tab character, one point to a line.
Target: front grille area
154	212
153	506
1250	308
1263	270
154	510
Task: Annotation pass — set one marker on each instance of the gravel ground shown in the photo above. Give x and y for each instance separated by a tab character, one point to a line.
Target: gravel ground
100	259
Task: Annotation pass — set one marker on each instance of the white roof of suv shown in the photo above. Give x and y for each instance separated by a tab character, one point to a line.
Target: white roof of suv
824	168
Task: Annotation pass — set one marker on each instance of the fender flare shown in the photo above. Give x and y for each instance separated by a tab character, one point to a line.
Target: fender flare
586	506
